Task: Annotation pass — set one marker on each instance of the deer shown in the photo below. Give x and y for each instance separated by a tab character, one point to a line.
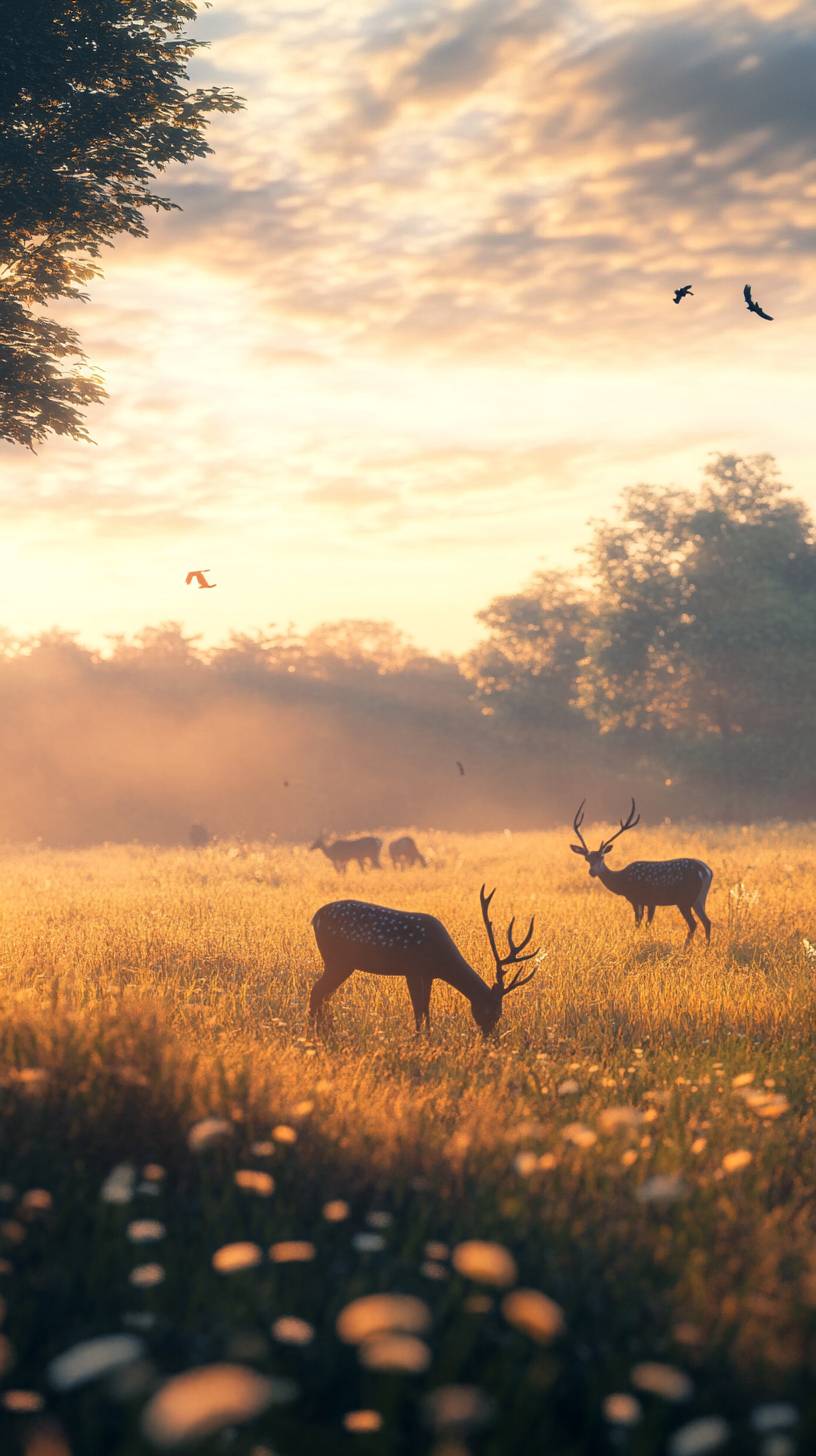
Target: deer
354	936
342	851
647	883
404	853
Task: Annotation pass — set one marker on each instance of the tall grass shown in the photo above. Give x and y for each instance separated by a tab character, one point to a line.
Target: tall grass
144	990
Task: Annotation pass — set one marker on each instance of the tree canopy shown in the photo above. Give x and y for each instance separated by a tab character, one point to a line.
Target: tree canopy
692	649
94	104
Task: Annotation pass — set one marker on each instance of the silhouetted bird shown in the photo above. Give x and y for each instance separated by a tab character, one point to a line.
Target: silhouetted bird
754	307
199	577
460	768
682	292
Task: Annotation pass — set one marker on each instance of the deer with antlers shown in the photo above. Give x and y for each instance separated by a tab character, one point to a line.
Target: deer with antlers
354	936
647	883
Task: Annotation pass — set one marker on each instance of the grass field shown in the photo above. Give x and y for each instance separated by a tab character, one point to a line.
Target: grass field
640	1142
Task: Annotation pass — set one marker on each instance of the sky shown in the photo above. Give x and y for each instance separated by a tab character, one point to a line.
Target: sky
413	328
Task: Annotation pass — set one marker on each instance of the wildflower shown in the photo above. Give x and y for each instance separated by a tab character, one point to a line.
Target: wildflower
774	1417
336	1210
379	1220
200	1402
457	1407
618	1119
252	1180
395	1352
736	1161
289	1330
699	1437
435	1250
362	1422
146	1276
208	1133
622	1409
119	1185
22	1402
145	1230
484	1262
663	1380
431	1270
231	1258
292	1251
368	1243
766	1104
525	1163
662	1188
534	1314
376	1314
92	1358
579	1135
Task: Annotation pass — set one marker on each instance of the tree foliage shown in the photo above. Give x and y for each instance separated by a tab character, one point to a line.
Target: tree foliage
94	104
705	609
525	671
692	651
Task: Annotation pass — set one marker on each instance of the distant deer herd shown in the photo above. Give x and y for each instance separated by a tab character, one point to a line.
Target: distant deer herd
353	935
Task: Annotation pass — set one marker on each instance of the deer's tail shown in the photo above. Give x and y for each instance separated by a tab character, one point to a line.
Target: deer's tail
706	876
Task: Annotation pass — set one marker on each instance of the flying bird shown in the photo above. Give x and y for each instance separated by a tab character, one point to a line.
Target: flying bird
460	768
754	307
199	577
682	292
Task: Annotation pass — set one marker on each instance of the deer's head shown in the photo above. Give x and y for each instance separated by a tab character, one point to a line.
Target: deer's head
596	857
487	1011
319	842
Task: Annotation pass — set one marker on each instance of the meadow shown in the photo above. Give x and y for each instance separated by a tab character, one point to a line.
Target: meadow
189	1179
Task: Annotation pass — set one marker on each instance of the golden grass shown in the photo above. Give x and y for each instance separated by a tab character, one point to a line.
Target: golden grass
641	1136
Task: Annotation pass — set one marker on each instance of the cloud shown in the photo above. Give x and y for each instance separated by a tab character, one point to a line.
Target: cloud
466	175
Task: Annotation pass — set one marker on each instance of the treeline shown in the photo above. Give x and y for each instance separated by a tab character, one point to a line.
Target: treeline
678	662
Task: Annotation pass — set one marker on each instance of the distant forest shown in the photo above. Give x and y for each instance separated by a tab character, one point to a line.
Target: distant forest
677	663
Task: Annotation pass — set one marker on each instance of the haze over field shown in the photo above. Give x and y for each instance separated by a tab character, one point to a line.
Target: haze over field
414	324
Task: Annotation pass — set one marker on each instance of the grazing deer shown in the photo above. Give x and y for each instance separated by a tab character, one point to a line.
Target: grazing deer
198	835
353	936
404	853
342	851
646	883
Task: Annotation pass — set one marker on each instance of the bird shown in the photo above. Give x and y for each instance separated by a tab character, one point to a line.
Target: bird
754	307
199	577
682	292
460	768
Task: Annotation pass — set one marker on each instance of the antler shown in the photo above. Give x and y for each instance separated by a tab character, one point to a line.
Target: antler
630	824
577	822
514	955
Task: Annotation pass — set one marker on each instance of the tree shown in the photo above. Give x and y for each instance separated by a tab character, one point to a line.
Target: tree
705	617
94	103
525	671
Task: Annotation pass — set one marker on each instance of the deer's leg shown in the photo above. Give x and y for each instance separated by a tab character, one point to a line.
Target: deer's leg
325	986
685	911
419	989
699	906
650	910
638	909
